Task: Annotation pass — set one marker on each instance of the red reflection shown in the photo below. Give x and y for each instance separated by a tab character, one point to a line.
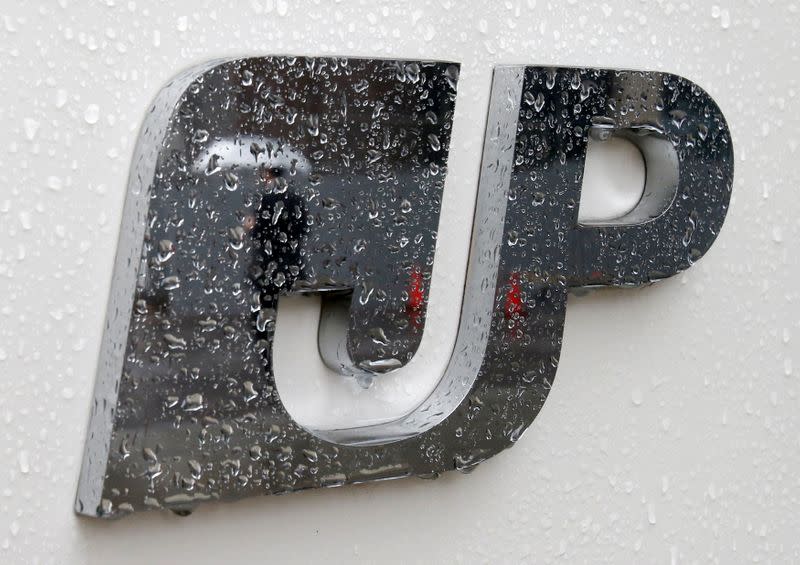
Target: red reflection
416	296
513	306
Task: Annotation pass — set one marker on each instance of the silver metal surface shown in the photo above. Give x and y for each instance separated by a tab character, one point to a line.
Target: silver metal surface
235	198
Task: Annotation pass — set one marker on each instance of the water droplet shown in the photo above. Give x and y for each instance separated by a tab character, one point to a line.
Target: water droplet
91	114
236	236
54	183
192	402
171	282
539	102
249	391
166	249
24	462
651	513
213	164
174	342
25	220
231	181
200	136
378	336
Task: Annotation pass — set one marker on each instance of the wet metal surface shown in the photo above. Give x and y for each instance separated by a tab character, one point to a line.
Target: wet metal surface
261	177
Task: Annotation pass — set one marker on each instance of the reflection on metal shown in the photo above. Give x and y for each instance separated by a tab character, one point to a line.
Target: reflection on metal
261	177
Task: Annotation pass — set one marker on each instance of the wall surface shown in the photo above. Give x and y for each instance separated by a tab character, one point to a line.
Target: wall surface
672	433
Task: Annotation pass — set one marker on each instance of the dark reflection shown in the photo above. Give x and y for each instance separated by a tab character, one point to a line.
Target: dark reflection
279	228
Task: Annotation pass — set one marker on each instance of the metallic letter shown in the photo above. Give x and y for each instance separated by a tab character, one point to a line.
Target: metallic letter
235	198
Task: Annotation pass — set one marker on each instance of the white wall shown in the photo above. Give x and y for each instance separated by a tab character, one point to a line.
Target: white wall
673	430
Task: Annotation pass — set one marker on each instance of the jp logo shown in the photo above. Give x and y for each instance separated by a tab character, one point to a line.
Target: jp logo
263	177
